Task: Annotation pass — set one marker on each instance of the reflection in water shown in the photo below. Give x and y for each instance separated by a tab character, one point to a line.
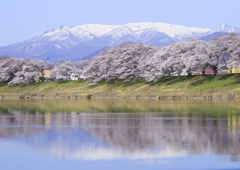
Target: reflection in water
97	136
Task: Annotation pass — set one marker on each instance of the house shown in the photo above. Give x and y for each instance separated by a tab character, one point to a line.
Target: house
81	76
209	71
74	76
222	72
234	70
46	75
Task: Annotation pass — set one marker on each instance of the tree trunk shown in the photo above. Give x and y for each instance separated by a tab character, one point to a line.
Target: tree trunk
215	71
169	74
203	73
42	79
230	71
189	73
179	73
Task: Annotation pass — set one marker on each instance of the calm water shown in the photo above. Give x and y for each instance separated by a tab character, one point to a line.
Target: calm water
51	134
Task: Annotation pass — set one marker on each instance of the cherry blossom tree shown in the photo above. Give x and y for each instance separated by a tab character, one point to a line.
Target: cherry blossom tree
62	71
9	67
120	62
27	70
231	50
195	56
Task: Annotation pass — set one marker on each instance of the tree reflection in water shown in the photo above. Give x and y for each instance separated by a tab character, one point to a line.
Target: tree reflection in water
96	136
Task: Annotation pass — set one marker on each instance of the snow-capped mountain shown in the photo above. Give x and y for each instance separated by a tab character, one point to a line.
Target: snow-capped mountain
78	42
227	28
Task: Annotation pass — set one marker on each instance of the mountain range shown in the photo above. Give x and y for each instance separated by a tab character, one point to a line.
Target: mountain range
85	41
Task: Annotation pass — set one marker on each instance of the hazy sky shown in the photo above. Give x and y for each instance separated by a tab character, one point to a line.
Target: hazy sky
23	19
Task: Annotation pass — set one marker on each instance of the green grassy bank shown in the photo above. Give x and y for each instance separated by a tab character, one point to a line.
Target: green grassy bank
196	87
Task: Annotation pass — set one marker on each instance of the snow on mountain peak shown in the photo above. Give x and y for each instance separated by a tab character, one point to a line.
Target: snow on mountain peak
57	34
177	31
227	28
90	31
173	31
95	29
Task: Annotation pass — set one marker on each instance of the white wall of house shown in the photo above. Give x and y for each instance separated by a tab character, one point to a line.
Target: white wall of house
81	76
74	77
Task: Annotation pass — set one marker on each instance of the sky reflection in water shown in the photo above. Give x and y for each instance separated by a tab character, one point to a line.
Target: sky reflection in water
184	139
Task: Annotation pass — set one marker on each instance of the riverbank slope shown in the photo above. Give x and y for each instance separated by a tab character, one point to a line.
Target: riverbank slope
196	87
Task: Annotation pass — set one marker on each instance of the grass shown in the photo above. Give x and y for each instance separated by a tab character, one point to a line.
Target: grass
221	86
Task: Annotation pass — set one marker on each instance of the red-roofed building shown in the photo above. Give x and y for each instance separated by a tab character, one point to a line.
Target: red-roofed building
210	71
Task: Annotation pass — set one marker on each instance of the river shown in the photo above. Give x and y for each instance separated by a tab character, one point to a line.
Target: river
118	134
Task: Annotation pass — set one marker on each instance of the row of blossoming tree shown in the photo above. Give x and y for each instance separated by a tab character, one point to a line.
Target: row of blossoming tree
137	61
133	61
25	70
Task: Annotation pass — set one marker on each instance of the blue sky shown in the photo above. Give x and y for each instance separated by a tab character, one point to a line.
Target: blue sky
23	19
